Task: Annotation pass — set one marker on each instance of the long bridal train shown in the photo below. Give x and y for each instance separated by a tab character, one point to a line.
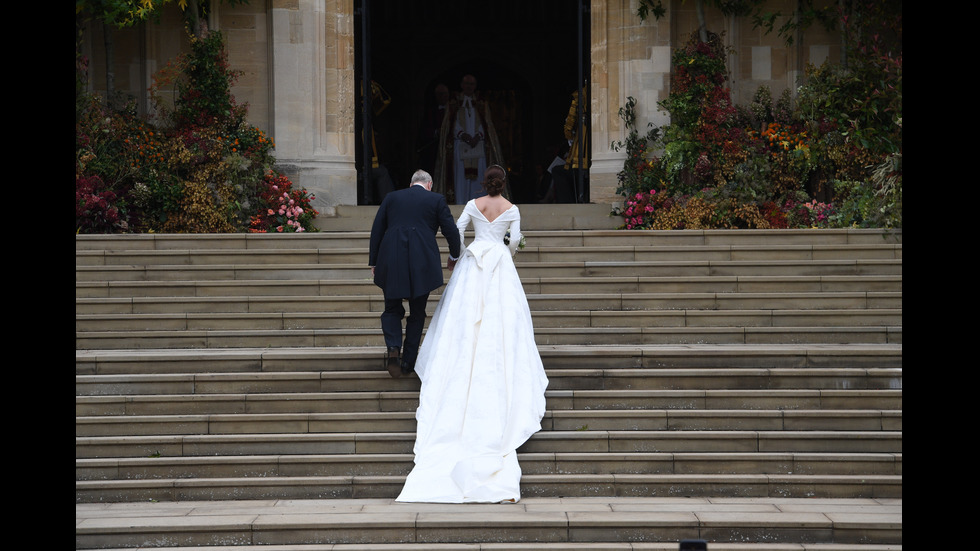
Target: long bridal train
483	382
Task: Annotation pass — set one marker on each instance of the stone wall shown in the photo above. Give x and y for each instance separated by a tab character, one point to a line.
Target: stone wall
312	67
630	58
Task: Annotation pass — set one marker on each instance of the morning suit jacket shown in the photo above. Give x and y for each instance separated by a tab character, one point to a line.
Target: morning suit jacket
404	250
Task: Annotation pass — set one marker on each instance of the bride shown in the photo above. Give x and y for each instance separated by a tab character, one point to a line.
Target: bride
483	382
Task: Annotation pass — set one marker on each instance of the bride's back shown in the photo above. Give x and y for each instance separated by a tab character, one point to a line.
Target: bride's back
492	207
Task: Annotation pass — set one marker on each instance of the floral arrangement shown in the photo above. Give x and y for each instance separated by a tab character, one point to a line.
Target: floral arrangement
828	155
284	210
638	210
520	244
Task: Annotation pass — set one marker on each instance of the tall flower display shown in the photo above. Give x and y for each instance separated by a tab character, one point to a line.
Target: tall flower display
200	168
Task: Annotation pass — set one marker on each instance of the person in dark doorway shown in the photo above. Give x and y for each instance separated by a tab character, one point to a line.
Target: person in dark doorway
566	178
404	259
430	127
547	182
381	183
467	144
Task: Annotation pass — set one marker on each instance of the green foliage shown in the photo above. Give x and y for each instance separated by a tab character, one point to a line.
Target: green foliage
862	102
876	203
855	116
646	8
655	8
119	13
125	13
806	14
204	92
638	173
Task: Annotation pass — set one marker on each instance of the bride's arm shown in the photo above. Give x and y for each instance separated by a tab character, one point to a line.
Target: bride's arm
461	223
515	235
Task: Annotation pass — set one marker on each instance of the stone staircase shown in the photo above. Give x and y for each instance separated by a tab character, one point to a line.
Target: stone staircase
743	387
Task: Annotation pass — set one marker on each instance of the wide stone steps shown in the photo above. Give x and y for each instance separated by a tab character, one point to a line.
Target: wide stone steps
597	287
235	441
579	463
544	285
658	423
159	381
609	252
755	360
532	485
534	524
663	424
585	297
557	267
544	336
737	386
543	320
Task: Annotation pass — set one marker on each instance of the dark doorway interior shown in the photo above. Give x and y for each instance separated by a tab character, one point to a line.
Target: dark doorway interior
523	53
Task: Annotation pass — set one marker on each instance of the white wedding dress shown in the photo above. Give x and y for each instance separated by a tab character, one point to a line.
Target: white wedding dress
483	382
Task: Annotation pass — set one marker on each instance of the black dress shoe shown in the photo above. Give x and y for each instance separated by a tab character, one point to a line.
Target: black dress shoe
392	363
407	369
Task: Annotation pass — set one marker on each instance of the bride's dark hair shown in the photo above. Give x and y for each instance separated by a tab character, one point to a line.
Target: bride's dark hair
494	180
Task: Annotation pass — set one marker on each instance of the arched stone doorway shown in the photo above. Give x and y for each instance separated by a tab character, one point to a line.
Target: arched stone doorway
525	55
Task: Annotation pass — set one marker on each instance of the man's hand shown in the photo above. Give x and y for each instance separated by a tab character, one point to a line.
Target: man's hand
450	264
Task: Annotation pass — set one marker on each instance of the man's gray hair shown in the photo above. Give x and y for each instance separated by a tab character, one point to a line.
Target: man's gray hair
421	177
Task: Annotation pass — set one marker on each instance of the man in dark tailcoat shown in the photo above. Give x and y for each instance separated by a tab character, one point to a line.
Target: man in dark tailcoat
404	258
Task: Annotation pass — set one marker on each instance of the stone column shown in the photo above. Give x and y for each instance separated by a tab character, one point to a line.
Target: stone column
630	58
312	76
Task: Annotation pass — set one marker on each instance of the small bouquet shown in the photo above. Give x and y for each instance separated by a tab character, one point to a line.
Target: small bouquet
520	244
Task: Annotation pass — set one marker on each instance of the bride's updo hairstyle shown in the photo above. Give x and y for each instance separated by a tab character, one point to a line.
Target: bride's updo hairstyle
494	180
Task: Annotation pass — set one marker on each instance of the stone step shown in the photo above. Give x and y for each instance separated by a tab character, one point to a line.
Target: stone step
547	285
395	464
264	395
697	356
547	485
341	338
612	301
562	546
536	228
542	319
197	376
654	419
558	268
580	441
533	524
543	252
